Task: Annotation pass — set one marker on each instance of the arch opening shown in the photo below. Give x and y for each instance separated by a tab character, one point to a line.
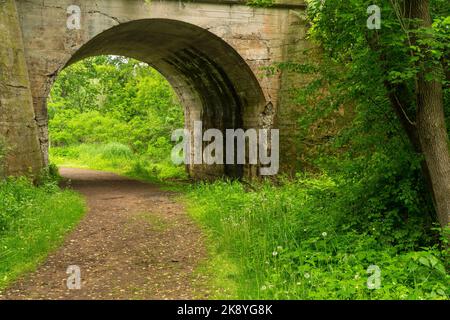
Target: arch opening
117	114
213	82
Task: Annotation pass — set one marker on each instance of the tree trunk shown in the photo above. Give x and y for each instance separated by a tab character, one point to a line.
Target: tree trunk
430	124
434	142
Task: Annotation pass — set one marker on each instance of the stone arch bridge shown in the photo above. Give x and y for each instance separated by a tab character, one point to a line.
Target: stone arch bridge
215	54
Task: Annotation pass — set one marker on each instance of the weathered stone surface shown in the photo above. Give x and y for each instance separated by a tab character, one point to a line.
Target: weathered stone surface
213	52
18	130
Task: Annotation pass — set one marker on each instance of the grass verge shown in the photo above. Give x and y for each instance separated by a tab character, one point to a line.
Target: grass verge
33	222
118	158
288	242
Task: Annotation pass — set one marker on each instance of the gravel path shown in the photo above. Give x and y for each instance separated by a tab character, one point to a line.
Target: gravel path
135	242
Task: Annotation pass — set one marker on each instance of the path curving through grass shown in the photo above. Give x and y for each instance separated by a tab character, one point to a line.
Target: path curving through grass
135	242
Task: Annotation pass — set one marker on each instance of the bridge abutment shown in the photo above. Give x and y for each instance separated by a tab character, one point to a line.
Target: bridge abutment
21	151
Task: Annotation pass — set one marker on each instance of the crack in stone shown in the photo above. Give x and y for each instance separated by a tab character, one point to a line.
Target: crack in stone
106	15
54	7
16	86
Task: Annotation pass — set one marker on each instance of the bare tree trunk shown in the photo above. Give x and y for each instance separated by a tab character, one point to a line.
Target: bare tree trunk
430	124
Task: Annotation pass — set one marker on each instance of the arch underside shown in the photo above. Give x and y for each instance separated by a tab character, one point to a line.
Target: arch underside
214	84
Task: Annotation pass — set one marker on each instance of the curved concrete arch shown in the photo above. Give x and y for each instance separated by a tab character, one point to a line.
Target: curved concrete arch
213	82
215	53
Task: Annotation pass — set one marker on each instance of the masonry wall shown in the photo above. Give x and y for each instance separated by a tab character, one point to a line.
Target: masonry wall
261	36
18	130
297	49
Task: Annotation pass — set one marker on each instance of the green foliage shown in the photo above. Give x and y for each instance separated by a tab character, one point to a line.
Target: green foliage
49	177
115	150
260	3
33	221
315	237
312	238
88	127
368	150
288	242
113	99
370	59
14	197
114	113
118	158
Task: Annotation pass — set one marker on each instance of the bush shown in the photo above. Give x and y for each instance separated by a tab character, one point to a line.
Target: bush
114	150
16	195
49	177
69	128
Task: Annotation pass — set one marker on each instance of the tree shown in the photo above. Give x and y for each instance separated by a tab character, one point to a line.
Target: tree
407	56
429	127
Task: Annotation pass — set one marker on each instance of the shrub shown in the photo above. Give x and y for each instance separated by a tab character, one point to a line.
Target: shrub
16	194
114	151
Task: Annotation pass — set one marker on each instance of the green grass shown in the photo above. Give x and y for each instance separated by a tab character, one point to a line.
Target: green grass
298	239
118	158
33	222
287	242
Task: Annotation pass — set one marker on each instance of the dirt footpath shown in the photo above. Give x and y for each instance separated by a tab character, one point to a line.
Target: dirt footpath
135	242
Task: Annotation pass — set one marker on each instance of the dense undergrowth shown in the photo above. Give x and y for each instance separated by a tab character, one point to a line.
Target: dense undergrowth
299	240
33	222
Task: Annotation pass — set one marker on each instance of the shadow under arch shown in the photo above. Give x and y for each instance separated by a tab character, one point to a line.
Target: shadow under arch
214	83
